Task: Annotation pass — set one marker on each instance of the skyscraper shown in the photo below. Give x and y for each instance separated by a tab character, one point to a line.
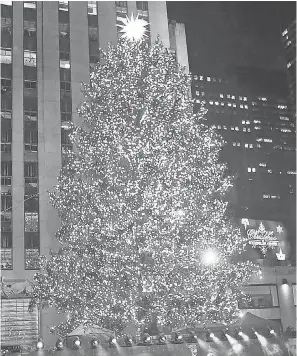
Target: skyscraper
47	49
289	41
249	107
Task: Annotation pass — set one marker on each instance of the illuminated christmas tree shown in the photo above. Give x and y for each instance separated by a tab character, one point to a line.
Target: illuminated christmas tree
144	233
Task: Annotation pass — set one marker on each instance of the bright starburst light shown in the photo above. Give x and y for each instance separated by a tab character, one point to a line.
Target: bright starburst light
133	28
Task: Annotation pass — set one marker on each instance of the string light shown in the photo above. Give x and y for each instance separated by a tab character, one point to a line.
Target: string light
140	198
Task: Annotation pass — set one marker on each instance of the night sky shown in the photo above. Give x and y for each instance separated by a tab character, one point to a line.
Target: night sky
225	34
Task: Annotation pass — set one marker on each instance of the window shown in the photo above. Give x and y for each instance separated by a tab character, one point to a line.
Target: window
6	114
294	293
121	4
31	140
6	139
30	169
30	58
5	55
64	60
18	324
6	173
142	5
92	7
63	5
30	4
6	259
31	222
30	116
93	33
261	296
30	84
29	28
64	29
65	86
6	203
6	24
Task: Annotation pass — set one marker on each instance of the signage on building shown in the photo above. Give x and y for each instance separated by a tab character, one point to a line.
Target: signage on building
265	235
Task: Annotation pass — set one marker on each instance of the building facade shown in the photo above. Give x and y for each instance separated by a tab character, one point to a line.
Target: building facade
250	110
47	50
289	42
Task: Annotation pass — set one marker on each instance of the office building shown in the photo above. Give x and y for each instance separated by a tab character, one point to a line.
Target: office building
249	108
47	49
289	42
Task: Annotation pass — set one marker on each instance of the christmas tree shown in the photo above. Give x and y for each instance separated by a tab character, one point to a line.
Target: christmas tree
145	234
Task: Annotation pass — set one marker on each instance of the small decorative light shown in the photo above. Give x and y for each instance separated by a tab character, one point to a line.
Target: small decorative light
76	343
39	344
211	335
178	338
94	343
59	344
193	338
162	339
128	340
112	342
146	339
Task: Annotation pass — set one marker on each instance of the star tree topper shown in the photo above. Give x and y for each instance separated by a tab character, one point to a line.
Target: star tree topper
133	28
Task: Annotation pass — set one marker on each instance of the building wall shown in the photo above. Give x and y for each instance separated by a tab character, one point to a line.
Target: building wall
178	42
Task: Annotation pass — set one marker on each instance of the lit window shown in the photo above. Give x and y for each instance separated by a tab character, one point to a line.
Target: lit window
285	32
6	2
5	55
195	77
92	7
248	122
198	101
284	118
269	170
291	172
211	102
241	106
243	122
229	104
257	121
222	104
251	145
203	93
232	97
201	77
225	127
219	126
64	60
249	169
285	130
234	143
253	169
257	128
267	140
29	4
232	128
228	96
282	106
244	98
30	58
248	130
236	128
234	105
238	143
258	145
63	5
221	95
266	196
246	145
262	164
244	129
197	92
217	103
289	65
208	79
246	107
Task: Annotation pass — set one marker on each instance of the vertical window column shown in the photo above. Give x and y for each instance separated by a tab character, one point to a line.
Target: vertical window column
31	198
121	12
143	13
65	75
6	135
93	31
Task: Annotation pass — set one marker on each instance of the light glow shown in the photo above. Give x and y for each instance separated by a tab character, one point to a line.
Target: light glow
133	28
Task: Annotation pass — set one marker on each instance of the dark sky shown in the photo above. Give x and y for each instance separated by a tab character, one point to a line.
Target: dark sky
221	34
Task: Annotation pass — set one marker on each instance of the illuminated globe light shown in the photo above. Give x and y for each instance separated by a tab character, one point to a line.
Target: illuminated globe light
39	344
133	28
210	257
59	344
112	341
76	343
162	339
94	343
